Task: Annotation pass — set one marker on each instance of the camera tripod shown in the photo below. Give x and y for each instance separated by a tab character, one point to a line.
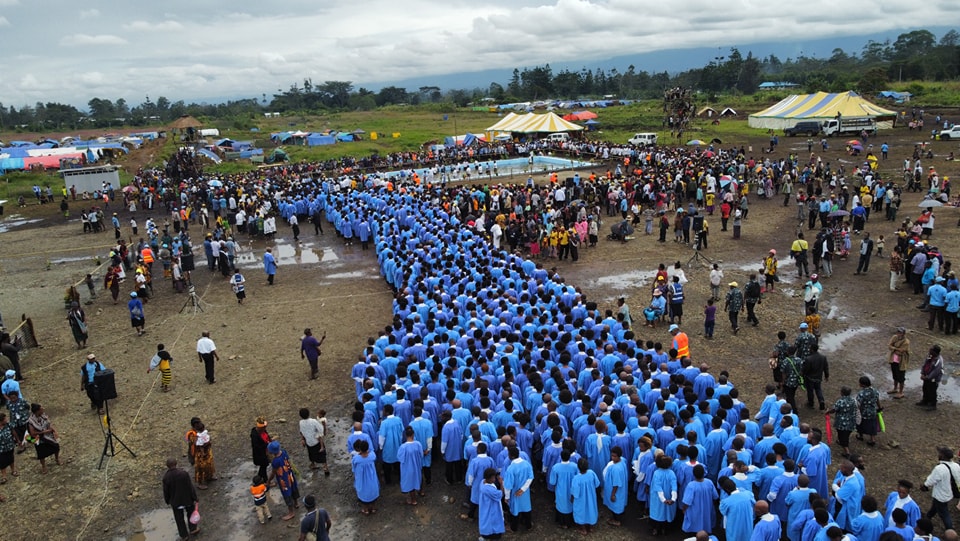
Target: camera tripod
192	299
109	437
697	256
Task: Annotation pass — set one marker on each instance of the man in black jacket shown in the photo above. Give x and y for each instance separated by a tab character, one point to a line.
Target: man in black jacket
815	371
180	494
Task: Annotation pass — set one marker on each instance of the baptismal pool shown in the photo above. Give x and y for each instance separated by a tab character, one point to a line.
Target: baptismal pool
502	168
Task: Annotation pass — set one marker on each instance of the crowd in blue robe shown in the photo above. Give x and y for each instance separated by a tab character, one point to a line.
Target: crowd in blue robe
488	348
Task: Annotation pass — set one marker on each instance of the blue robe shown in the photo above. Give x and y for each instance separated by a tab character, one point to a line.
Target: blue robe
781	486
269	263
423	431
768	528
410	456
663	484
597	454
561	477
797	501
452	441
518	474
490	510
615	475
868	526
737	511
583	489
391	436
910	507
474	478
365	480
815	466
698	500
849	495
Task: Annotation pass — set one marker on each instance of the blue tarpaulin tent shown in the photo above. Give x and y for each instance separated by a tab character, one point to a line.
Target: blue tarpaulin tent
318	139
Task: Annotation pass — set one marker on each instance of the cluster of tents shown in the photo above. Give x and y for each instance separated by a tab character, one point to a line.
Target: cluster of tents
312	139
819	106
51	153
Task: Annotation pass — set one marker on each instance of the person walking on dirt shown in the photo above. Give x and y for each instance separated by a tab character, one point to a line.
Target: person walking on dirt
752	296
180	494
931	373
734	305
899	359
940	482
269	265
798	250
770	270
816	370
310	350
207	352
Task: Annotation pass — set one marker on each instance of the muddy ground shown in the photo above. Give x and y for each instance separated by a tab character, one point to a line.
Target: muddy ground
329	287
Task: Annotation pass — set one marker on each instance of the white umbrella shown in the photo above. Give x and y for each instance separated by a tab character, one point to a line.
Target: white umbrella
215	183
930	203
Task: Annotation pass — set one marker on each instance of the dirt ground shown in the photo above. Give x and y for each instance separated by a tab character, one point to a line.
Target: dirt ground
336	289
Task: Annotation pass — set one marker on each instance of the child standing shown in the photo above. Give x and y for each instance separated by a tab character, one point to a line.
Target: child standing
709	319
93	294
258	489
162	361
880	244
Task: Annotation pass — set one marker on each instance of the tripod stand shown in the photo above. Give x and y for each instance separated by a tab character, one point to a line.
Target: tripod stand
193	300
109	437
697	256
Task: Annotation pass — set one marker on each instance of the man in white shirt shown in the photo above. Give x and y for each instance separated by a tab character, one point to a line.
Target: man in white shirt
311	435
940	484
207	352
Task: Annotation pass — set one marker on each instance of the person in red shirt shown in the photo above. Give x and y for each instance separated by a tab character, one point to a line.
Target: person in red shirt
725	209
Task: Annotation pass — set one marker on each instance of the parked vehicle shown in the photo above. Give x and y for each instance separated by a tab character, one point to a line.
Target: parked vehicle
849	126
643	139
811	128
558	137
952	133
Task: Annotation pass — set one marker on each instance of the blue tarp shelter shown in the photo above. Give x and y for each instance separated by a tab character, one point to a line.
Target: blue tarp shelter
320	139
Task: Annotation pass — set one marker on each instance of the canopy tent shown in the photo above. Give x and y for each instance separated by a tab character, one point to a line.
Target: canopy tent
707	111
819	106
184	122
319	139
728	111
463	140
898	97
534	123
580	115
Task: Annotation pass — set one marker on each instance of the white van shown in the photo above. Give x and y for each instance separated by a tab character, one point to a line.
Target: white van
558	137
643	139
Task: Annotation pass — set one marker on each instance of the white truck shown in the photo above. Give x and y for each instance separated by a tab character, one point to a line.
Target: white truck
849	126
952	133
643	139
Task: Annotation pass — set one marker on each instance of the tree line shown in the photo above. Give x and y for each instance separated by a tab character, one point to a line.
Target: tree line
913	56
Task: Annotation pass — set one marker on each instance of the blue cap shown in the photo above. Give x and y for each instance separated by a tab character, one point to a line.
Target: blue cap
273	448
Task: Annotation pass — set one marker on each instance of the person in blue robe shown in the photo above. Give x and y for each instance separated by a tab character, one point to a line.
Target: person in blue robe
870	524
698	503
561	478
410	456
901	499
597	448
516	485
663	496
615	493
583	496
798	502
816	462
490	506
390	437
849	492
737	511
423	430
365	480
768	527
451	448
474	480
780	488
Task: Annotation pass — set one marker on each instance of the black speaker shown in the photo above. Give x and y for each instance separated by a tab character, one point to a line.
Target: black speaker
698	223
186	262
106	387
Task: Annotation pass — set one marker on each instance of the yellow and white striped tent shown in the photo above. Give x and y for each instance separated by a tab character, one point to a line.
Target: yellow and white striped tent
533	123
818	106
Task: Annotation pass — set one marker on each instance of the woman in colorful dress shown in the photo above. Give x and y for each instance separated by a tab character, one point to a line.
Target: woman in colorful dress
45	435
202	453
847	411
282	472
8	443
868	400
78	324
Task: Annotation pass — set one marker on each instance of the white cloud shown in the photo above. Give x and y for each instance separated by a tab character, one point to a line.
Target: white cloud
4	21
87	39
8	3
89	14
145	26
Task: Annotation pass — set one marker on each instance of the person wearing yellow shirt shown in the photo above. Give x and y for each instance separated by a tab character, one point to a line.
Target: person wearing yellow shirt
563	241
553	240
798	250
770	270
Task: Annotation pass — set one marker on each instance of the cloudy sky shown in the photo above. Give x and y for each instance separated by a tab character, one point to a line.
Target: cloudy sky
66	51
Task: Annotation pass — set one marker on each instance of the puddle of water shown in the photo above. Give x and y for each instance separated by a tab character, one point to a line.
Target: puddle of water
352	274
287	254
62	260
625	280
949	388
833	341
16	220
156	525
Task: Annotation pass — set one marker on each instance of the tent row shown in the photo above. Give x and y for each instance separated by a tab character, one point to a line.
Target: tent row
818	106
315	138
533	123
